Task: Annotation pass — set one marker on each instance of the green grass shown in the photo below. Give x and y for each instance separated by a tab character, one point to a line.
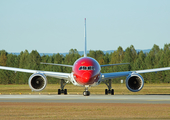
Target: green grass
86	111
119	89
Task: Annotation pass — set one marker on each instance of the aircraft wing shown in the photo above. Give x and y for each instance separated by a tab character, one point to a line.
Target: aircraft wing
106	76
59	75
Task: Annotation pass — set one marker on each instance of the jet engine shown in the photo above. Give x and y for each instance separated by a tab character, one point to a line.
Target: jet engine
37	81
134	82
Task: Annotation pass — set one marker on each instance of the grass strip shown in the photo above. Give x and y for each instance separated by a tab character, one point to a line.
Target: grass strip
100	89
102	111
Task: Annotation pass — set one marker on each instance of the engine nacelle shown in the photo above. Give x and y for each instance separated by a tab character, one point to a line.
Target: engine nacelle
37	81
134	82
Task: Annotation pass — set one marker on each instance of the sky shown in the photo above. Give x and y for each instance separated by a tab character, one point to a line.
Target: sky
56	26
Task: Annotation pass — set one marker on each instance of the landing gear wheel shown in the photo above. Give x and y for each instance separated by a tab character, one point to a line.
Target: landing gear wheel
106	91
65	91
59	92
112	92
109	91
86	93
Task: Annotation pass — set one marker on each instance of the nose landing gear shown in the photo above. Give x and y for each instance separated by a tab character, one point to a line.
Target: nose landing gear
86	92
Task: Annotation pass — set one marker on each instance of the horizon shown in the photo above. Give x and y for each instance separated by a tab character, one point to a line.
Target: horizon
80	52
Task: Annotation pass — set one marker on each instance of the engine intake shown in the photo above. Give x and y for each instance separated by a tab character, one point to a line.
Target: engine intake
134	82
37	82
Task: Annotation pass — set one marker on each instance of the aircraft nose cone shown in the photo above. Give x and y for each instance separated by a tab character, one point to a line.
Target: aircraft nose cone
86	77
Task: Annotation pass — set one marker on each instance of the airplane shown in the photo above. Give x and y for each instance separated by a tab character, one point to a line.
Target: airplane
86	72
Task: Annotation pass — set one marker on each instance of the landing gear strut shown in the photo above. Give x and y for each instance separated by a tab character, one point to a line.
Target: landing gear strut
62	90
86	92
109	85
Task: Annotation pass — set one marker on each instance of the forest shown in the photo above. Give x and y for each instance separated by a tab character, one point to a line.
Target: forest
156	58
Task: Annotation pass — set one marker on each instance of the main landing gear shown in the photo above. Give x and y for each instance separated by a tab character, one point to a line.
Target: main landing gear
109	85
86	92
62	90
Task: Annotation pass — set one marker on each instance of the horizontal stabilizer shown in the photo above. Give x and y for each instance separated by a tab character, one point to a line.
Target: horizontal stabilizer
113	64
57	64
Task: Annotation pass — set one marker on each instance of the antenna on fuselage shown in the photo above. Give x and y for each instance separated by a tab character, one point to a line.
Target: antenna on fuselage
85	49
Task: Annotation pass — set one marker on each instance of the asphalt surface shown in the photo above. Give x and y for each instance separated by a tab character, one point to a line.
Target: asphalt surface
155	99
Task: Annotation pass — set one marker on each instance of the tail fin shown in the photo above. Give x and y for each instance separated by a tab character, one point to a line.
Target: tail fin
85	49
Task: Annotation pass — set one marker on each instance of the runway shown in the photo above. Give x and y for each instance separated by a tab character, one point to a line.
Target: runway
155	99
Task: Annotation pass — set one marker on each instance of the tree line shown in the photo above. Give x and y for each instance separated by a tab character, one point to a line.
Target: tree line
156	58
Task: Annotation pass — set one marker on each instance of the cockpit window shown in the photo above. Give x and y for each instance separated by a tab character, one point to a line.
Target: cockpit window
81	68
86	68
